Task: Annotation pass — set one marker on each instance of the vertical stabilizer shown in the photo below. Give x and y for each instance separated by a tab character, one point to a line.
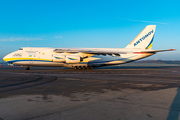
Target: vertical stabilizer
145	38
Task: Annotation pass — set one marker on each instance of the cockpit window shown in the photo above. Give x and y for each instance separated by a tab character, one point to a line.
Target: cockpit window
21	49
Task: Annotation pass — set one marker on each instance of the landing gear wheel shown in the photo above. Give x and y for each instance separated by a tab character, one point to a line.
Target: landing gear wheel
27	68
75	68
79	67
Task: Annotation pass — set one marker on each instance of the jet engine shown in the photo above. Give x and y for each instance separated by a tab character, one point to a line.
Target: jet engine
66	58
72	59
59	58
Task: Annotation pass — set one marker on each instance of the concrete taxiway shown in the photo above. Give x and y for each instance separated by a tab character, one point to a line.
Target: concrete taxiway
119	93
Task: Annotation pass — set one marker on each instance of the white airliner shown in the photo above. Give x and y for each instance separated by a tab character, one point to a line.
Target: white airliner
86	58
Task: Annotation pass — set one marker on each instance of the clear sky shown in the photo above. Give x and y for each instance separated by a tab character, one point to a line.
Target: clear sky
88	23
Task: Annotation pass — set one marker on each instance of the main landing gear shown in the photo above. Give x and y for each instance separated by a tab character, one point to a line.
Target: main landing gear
27	68
82	67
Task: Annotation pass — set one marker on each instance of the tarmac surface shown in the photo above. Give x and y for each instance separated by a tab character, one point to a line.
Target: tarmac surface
111	93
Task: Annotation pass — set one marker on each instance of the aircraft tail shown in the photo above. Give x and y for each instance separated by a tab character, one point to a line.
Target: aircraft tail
144	39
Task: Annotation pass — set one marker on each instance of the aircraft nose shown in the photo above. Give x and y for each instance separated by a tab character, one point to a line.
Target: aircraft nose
6	58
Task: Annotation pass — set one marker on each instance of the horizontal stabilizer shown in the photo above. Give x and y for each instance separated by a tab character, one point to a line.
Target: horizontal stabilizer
153	51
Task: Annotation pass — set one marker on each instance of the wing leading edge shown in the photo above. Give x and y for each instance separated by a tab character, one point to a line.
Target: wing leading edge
109	52
96	52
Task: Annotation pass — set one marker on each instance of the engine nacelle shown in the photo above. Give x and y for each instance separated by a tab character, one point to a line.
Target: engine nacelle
59	58
72	59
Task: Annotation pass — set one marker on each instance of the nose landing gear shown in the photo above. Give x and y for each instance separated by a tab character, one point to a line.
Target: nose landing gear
27	68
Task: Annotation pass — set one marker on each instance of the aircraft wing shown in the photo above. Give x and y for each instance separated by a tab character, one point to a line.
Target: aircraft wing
93	51
107	52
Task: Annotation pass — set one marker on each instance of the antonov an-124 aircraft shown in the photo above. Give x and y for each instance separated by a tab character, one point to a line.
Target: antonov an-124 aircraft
86	58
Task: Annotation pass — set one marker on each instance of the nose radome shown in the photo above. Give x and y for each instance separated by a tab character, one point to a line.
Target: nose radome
6	57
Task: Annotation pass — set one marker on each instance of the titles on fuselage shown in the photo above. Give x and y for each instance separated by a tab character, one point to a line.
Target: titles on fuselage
17	55
143	38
